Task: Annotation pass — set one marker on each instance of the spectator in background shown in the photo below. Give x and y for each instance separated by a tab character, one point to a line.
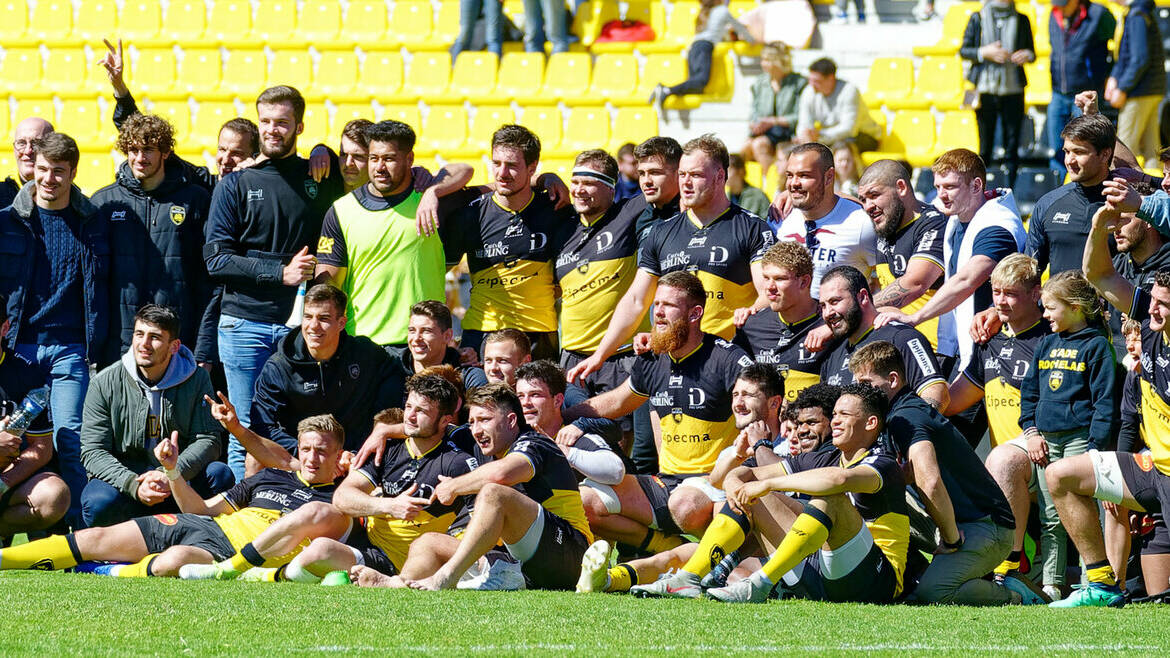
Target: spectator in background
775	107
998	41
847	163
469	13
1138	82
711	27
545	20
742	193
27	131
831	110
627	182
1080	32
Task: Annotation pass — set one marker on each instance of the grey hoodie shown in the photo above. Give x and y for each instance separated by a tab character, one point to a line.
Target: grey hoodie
181	367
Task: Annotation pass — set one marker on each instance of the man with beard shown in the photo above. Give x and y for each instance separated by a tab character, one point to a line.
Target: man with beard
27	131
775	336
263	222
370	246
687	381
848	310
909	244
835	230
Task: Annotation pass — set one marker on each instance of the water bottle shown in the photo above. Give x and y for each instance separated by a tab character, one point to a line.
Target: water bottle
298	309
34	403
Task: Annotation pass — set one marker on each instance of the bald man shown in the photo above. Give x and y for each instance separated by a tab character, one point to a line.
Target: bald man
26	131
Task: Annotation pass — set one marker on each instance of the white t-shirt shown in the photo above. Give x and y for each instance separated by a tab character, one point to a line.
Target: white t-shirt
845	236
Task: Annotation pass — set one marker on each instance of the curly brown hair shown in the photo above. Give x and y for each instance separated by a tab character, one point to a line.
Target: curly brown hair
146	130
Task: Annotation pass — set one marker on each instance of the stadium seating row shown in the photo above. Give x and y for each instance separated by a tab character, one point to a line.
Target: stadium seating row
939	83
917	137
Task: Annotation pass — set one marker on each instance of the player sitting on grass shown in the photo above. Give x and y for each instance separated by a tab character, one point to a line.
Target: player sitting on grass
206	530
526	496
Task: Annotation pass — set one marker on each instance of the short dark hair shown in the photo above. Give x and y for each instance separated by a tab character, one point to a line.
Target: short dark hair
509	335
518	137
626	149
1164	155
765	377
735	161
393	132
712	146
688	283
324	293
437	390
598	159
146	130
498	396
544	371
873	401
879	357
886	173
57	147
434	310
666	148
1094	129
824	154
820	396
245	127
159	316
823	66
355	130
1162	279
284	94
854	279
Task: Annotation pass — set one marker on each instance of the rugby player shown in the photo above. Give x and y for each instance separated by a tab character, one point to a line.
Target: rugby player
206	530
658	159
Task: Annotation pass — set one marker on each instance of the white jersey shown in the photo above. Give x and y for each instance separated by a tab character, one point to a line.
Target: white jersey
845	236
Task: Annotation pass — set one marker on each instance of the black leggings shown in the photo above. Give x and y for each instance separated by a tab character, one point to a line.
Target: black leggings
699	69
1009	111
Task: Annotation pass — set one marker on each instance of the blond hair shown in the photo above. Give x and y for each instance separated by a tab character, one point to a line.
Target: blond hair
323	424
791	256
1017	270
1072	288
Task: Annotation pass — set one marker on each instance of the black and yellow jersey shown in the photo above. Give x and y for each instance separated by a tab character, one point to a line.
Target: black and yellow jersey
884	511
999	367
1155	384
594	269
510	256
400	470
553	483
260	500
921	239
773	342
922	369
720	254
692	397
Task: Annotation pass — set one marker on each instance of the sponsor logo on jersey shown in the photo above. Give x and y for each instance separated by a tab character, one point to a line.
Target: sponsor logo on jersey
166	519
493	250
676	380
255	195
1144	461
515	230
604	241
178	214
1061	218
324	245
921	357
675	260
697	242
118	216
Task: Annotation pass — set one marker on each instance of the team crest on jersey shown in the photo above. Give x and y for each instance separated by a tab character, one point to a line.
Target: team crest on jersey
355	371
583	266
1055	379
178	214
677	414
311	188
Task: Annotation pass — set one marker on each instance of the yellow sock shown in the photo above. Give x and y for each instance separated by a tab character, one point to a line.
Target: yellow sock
48	554
808	533
140	569
621	578
659	542
246	558
725	534
1101	573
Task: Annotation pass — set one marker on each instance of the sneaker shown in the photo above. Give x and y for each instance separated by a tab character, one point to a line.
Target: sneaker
657	97
1094	595
259	575
99	568
1053	592
1029	593
594	568
499	576
753	589
718	575
336	578
206	572
677	585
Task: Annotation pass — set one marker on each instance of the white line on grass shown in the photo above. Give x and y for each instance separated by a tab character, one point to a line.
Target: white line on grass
892	646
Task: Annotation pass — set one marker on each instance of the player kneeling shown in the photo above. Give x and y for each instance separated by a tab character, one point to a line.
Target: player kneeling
206	530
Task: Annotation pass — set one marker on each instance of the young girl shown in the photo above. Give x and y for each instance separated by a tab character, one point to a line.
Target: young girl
711	27
1068	401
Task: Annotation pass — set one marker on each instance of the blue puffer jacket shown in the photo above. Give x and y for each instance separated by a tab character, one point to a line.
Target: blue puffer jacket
1140	56
1080	55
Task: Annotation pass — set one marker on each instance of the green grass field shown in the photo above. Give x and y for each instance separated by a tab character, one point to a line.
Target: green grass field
54	613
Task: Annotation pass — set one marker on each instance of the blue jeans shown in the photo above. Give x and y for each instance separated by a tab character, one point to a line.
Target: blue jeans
104	505
1060	109
469	11
68	381
244	348
543	17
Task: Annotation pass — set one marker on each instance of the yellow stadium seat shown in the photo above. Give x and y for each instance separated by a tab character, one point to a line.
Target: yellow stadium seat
719	89
487	119
381	75
347	112
520	75
633	124
36	107
587	128
954	23
429	74
891	80
650	13
336	79
178	113
879	118
230	24
741	47
184	23
411	23
96	20
200	72
940	84
51	23
1039	89
197	157
446	28
209	117
291	67
546	122
443	131
317	128
407	114
911	138
95	170
65	73
6	130
276	24
590	16
21	72
958	129
615	76
566	77
140	21
474	76
678	31
15	24
245	74
562	167
319	23
660	68
1040	37
154	74
365	22
83	121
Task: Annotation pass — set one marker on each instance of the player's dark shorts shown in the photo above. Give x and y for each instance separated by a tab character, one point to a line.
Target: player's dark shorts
1149	487
367	553
557	560
163	531
857	572
1157	541
658	489
777	134
613	373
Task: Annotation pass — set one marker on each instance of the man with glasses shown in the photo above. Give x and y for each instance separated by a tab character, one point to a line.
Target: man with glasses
27	131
